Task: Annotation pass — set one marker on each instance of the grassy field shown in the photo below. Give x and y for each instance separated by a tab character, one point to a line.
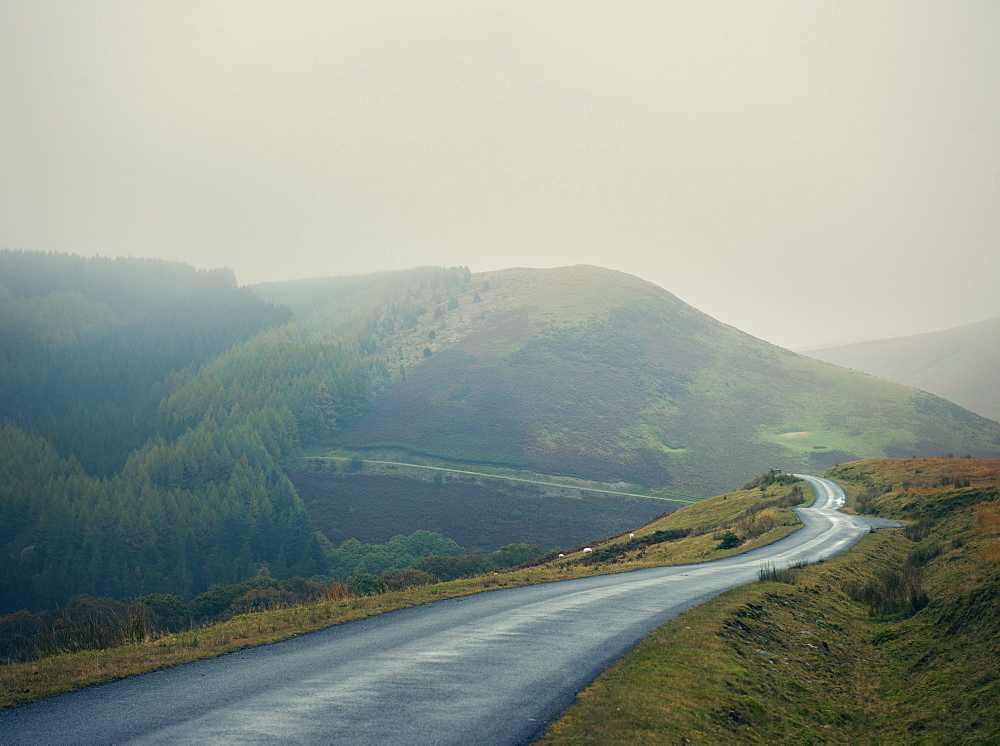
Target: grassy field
895	641
703	522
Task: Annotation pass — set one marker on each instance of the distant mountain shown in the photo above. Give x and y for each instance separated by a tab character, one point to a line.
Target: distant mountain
595	373
960	364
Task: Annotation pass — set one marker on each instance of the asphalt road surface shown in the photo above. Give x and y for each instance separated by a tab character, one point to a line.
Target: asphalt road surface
491	668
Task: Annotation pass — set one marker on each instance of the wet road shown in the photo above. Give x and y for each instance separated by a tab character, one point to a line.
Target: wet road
492	668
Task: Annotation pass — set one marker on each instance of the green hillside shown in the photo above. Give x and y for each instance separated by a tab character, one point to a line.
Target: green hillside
595	373
160	425
958	364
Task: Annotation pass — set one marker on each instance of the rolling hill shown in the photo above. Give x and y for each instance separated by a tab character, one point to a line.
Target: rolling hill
595	373
959	364
163	430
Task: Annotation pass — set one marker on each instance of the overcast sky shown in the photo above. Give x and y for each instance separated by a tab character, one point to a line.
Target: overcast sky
810	172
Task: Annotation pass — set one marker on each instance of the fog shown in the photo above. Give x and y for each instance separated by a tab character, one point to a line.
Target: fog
808	172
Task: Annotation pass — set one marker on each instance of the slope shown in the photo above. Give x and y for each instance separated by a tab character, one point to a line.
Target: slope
595	373
894	641
102	491
959	364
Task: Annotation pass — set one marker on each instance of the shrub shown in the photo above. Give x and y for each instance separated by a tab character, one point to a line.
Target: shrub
516	554
619	549
262	599
337	590
756	525
167	611
400	580
729	540
366	584
769	478
453	568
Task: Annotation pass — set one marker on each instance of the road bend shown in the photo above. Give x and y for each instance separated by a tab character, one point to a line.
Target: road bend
492	668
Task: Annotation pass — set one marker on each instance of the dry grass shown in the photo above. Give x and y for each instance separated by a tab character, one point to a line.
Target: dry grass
765	663
807	663
23	682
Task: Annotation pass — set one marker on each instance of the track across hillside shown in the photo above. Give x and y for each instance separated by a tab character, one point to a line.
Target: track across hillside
533	481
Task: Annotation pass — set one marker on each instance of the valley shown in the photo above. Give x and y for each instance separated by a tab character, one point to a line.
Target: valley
821	660
460	671
126	378
375	499
188	467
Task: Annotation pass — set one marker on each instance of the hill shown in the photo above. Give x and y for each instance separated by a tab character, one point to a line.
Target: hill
155	420
959	364
892	642
595	373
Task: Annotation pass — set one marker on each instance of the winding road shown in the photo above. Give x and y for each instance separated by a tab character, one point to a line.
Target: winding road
491	668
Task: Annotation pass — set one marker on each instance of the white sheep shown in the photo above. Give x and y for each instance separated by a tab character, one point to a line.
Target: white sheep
631	536
587	550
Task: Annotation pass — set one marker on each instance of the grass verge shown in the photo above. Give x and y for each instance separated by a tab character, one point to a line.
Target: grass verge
893	642
703	523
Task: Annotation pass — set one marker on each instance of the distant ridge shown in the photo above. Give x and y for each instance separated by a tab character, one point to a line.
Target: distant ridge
961	364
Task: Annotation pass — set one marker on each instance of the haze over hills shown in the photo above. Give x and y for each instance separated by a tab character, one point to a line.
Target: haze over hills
959	364
596	373
155	419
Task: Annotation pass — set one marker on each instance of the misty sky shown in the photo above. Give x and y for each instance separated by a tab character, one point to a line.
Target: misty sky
808	172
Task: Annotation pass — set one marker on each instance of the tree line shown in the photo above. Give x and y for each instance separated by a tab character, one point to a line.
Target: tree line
150	414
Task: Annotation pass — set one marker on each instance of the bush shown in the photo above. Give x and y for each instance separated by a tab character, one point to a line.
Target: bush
366	584
400	580
769	478
516	554
337	590
756	525
168	611
453	568
262	599
729	540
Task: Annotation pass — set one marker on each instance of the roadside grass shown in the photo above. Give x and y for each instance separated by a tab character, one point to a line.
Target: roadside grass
24	682
841	654
764	663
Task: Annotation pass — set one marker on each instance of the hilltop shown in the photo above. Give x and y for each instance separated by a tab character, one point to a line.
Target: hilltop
595	373
959	364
